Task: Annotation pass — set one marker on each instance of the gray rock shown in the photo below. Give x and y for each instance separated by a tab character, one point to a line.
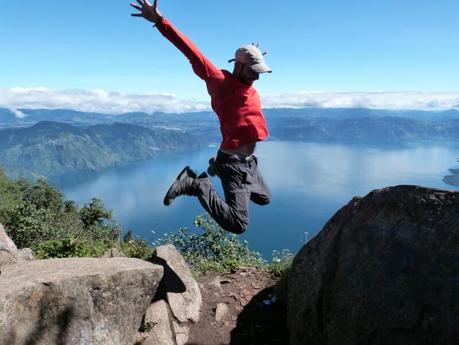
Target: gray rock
384	270
6	243
158	319
6	258
24	254
15	256
181	331
185	302
221	311
75	301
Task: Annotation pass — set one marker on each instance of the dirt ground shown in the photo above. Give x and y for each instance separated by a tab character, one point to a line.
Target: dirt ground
240	308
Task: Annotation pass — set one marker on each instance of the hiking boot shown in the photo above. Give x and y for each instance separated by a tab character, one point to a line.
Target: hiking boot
183	185
212	169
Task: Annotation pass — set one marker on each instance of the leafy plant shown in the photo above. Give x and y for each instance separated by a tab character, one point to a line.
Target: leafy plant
279	268
136	248
213	249
65	248
281	262
37	216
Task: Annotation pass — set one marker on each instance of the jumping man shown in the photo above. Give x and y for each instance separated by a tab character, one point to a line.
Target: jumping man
242	124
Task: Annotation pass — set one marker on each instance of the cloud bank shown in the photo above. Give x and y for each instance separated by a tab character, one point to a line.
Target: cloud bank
117	103
375	100
99	101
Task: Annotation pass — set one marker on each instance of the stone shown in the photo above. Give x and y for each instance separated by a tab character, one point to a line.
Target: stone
6	243
182	331
384	270
182	290
83	301
8	258
158	321
221	311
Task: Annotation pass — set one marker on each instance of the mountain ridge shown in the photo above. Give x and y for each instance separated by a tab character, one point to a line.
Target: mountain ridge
50	148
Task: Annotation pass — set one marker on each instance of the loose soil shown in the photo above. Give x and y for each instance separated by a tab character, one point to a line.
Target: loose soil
240	308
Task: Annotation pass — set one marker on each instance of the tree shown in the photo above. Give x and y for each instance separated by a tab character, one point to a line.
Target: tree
94	214
41	195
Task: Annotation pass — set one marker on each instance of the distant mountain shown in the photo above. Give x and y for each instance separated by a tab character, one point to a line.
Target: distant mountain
208	118
307	124
51	148
365	130
344	113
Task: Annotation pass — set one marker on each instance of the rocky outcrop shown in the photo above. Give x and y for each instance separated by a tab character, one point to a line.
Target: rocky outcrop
384	270
96	301
75	301
9	253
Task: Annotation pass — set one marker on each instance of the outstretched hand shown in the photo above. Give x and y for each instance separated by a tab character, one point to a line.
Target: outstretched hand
148	11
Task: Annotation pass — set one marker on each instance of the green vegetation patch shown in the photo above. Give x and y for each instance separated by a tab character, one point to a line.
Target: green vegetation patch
37	216
211	248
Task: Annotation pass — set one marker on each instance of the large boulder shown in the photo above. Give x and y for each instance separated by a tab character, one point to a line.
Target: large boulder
185	302
75	301
384	270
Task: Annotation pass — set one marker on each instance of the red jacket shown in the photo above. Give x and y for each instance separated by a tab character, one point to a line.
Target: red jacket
237	105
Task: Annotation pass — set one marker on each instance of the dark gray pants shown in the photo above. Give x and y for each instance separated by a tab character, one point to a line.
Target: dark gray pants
241	182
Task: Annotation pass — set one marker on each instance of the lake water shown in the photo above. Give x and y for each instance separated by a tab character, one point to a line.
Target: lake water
309	183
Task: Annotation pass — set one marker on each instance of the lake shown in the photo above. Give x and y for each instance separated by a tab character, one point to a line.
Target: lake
309	183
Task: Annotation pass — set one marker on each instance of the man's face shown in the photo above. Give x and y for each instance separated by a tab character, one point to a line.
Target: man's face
245	74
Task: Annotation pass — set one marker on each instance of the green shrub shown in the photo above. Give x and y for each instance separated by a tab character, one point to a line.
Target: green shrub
71	247
281	262
65	248
213	249
37	216
279	268
135	248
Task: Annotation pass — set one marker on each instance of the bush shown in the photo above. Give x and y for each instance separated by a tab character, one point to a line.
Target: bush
214	249
70	247
279	268
281	263
134	248
37	216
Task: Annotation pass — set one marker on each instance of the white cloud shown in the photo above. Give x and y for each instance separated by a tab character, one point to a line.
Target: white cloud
116	103
374	100
96	101
19	114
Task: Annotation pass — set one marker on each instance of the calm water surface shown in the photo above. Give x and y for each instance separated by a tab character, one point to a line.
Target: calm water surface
309	182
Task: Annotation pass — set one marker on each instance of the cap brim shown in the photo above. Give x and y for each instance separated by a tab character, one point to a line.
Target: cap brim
261	68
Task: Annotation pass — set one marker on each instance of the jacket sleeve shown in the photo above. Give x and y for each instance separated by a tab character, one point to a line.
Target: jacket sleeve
202	66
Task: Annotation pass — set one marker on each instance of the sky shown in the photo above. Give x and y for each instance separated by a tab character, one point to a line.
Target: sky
92	55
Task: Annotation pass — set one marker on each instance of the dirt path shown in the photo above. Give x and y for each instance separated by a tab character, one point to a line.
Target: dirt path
239	309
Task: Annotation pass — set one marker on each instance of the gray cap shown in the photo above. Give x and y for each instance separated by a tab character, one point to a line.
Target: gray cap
250	54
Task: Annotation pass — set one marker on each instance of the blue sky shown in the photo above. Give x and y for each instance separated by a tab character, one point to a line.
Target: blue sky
335	47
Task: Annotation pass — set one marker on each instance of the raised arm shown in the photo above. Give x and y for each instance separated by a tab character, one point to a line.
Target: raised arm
202	66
